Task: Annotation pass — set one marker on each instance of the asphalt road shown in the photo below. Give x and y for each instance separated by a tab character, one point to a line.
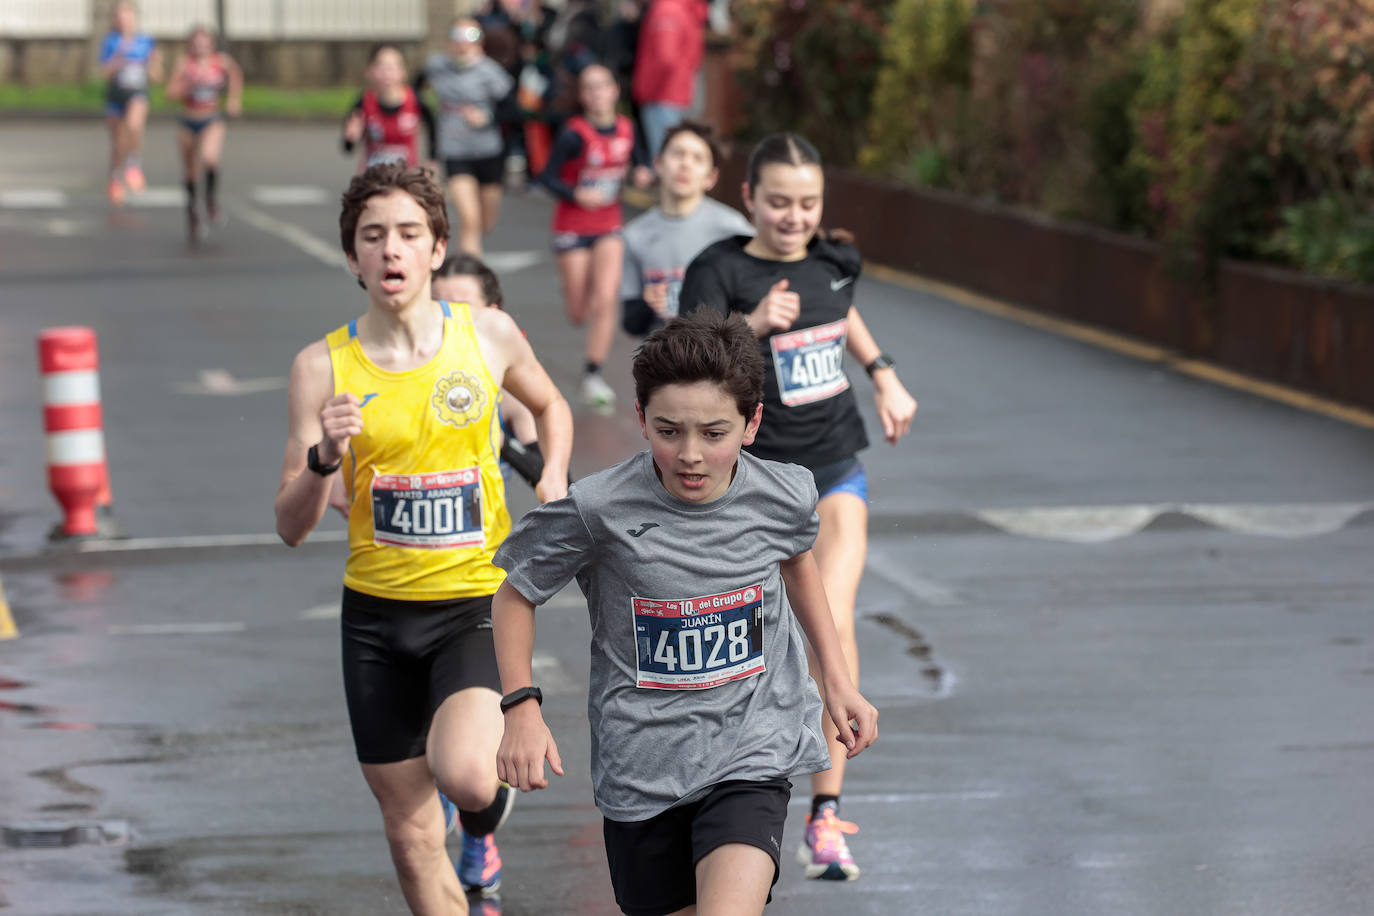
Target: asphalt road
1118	621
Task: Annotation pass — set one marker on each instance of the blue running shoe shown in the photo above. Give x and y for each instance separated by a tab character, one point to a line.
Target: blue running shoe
450	814
480	867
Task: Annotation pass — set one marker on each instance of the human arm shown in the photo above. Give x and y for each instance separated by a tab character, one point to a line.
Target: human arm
315	416
233	104
566	148
527	741
524	377
896	407
155	65
854	717
111	55
355	122
176	83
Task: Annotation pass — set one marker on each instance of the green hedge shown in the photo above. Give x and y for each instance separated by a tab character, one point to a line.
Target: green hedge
89	98
1236	128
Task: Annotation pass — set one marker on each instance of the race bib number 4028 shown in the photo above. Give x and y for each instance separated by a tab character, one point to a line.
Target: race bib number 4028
810	363
437	511
695	643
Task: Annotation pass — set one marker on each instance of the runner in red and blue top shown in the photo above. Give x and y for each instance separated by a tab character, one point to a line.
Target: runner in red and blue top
201	78
586	169
387	116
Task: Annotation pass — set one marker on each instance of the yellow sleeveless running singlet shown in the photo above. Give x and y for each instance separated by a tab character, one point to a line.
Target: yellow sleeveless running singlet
424	478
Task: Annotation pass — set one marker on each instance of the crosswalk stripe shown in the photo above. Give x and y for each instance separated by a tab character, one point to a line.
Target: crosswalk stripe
157	198
33	199
290	195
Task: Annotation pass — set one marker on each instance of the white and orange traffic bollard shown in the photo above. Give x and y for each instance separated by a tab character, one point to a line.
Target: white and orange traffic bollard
74	427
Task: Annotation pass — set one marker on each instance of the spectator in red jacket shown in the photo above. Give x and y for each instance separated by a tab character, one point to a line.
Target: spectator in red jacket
672	38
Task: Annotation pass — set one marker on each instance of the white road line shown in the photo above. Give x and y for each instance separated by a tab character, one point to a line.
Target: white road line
1097	524
898	572
33	199
197	542
321	612
290	195
317	248
551	676
505	262
221	382
175	629
155	198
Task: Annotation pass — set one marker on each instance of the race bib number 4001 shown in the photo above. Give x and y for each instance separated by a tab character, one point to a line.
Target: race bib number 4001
437	511
695	643
810	363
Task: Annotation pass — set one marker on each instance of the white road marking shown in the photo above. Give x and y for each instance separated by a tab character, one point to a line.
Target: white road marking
317	248
175	629
504	262
321	612
222	383
897	570
159	197
66	228
551	676
1097	524
291	195
199	542
33	199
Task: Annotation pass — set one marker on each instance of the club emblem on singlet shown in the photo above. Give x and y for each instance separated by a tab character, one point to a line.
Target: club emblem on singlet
459	399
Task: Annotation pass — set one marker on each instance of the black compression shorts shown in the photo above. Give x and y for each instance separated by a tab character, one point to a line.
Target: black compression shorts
653	863
402	659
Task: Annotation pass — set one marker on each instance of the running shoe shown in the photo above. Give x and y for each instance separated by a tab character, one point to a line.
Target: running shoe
450	814
115	191
194	230
133	177
824	851
217	217
595	391
492	817
480	867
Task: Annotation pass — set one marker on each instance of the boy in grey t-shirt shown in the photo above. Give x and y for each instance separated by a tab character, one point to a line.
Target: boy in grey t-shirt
696	562
660	243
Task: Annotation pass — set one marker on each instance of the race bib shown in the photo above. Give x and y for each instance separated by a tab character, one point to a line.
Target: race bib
695	643
438	511
810	363
607	181
133	75
385	154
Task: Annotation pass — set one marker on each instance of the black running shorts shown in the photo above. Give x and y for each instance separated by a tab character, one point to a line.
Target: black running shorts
487	170
653	863
402	659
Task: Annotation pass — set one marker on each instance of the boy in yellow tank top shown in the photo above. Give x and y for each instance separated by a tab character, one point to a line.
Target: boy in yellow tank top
402	401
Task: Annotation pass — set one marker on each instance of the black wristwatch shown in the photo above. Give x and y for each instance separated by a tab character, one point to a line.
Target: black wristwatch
312	461
516	697
882	361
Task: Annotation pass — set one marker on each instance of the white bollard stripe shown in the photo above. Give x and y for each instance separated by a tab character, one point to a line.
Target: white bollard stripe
77	446
81	387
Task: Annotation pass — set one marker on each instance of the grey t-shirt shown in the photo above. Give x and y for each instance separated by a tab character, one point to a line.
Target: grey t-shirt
483	84
698	667
658	248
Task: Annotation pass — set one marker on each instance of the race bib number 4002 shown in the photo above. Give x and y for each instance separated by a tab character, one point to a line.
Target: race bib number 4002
695	643
437	511
810	363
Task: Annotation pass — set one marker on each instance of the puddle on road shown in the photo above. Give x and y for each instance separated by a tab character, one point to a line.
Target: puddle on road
919	648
